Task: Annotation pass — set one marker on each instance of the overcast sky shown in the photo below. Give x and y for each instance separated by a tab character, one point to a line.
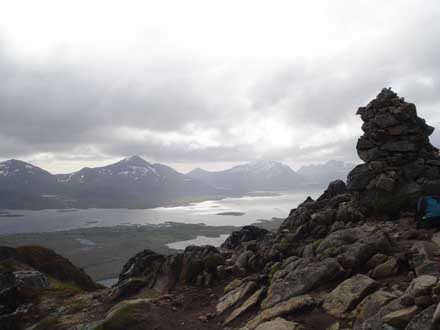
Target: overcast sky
206	83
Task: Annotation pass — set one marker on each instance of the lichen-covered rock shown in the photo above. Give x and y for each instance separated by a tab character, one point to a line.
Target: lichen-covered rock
386	269
234	296
375	322
49	263
197	265
280	324
305	277
284	308
197	260
348	294
31	280
127	287
423	258
156	271
248	304
335	188
423	320
245	234
371	304
422	285
401	317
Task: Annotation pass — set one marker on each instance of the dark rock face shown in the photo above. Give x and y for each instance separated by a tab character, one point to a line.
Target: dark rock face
335	188
47	262
399	159
8	293
197	265
245	234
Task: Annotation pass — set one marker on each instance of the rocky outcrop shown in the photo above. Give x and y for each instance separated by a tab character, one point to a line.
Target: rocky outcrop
400	162
197	265
280	324
303	278
348	294
31	280
47	262
245	234
287	307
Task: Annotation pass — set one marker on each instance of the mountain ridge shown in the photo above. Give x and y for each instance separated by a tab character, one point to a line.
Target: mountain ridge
134	182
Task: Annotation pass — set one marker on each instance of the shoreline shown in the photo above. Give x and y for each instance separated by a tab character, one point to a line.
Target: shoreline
183	202
102	251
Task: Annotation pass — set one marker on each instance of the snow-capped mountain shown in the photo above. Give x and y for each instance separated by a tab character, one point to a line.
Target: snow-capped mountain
25	186
320	174
258	175
17	175
132	182
132	169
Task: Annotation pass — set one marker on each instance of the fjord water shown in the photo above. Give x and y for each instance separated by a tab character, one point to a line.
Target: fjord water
254	208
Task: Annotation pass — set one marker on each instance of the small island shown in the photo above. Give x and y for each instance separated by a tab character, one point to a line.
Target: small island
237	214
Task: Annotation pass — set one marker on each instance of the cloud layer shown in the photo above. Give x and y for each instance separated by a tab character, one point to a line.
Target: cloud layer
202	86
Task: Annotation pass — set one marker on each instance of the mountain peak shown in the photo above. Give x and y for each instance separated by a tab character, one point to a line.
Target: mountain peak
135	160
260	166
198	170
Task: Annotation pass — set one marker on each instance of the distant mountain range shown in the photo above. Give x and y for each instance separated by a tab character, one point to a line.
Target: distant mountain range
135	183
320	174
259	175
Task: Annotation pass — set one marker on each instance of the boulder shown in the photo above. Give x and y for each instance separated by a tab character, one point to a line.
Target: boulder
302	279
354	256
422	285
156	271
197	265
31	280
423	258
9	299
233	285
248	304
388	268
359	178
423	320
280	324
234	296
334	189
436	315
247	261
348	294
376	260
51	264
197	260
127	288
284	308
245	234
401	318
371	304
375	322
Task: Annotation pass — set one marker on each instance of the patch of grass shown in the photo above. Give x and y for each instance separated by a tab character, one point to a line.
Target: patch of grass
49	323
123	318
59	289
316	244
75	307
275	267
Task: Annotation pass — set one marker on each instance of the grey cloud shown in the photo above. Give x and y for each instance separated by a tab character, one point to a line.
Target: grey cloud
58	107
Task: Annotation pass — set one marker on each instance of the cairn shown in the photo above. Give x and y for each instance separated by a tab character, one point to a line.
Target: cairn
395	146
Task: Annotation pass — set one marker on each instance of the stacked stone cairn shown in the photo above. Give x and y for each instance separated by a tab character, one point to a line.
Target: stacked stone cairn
399	158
